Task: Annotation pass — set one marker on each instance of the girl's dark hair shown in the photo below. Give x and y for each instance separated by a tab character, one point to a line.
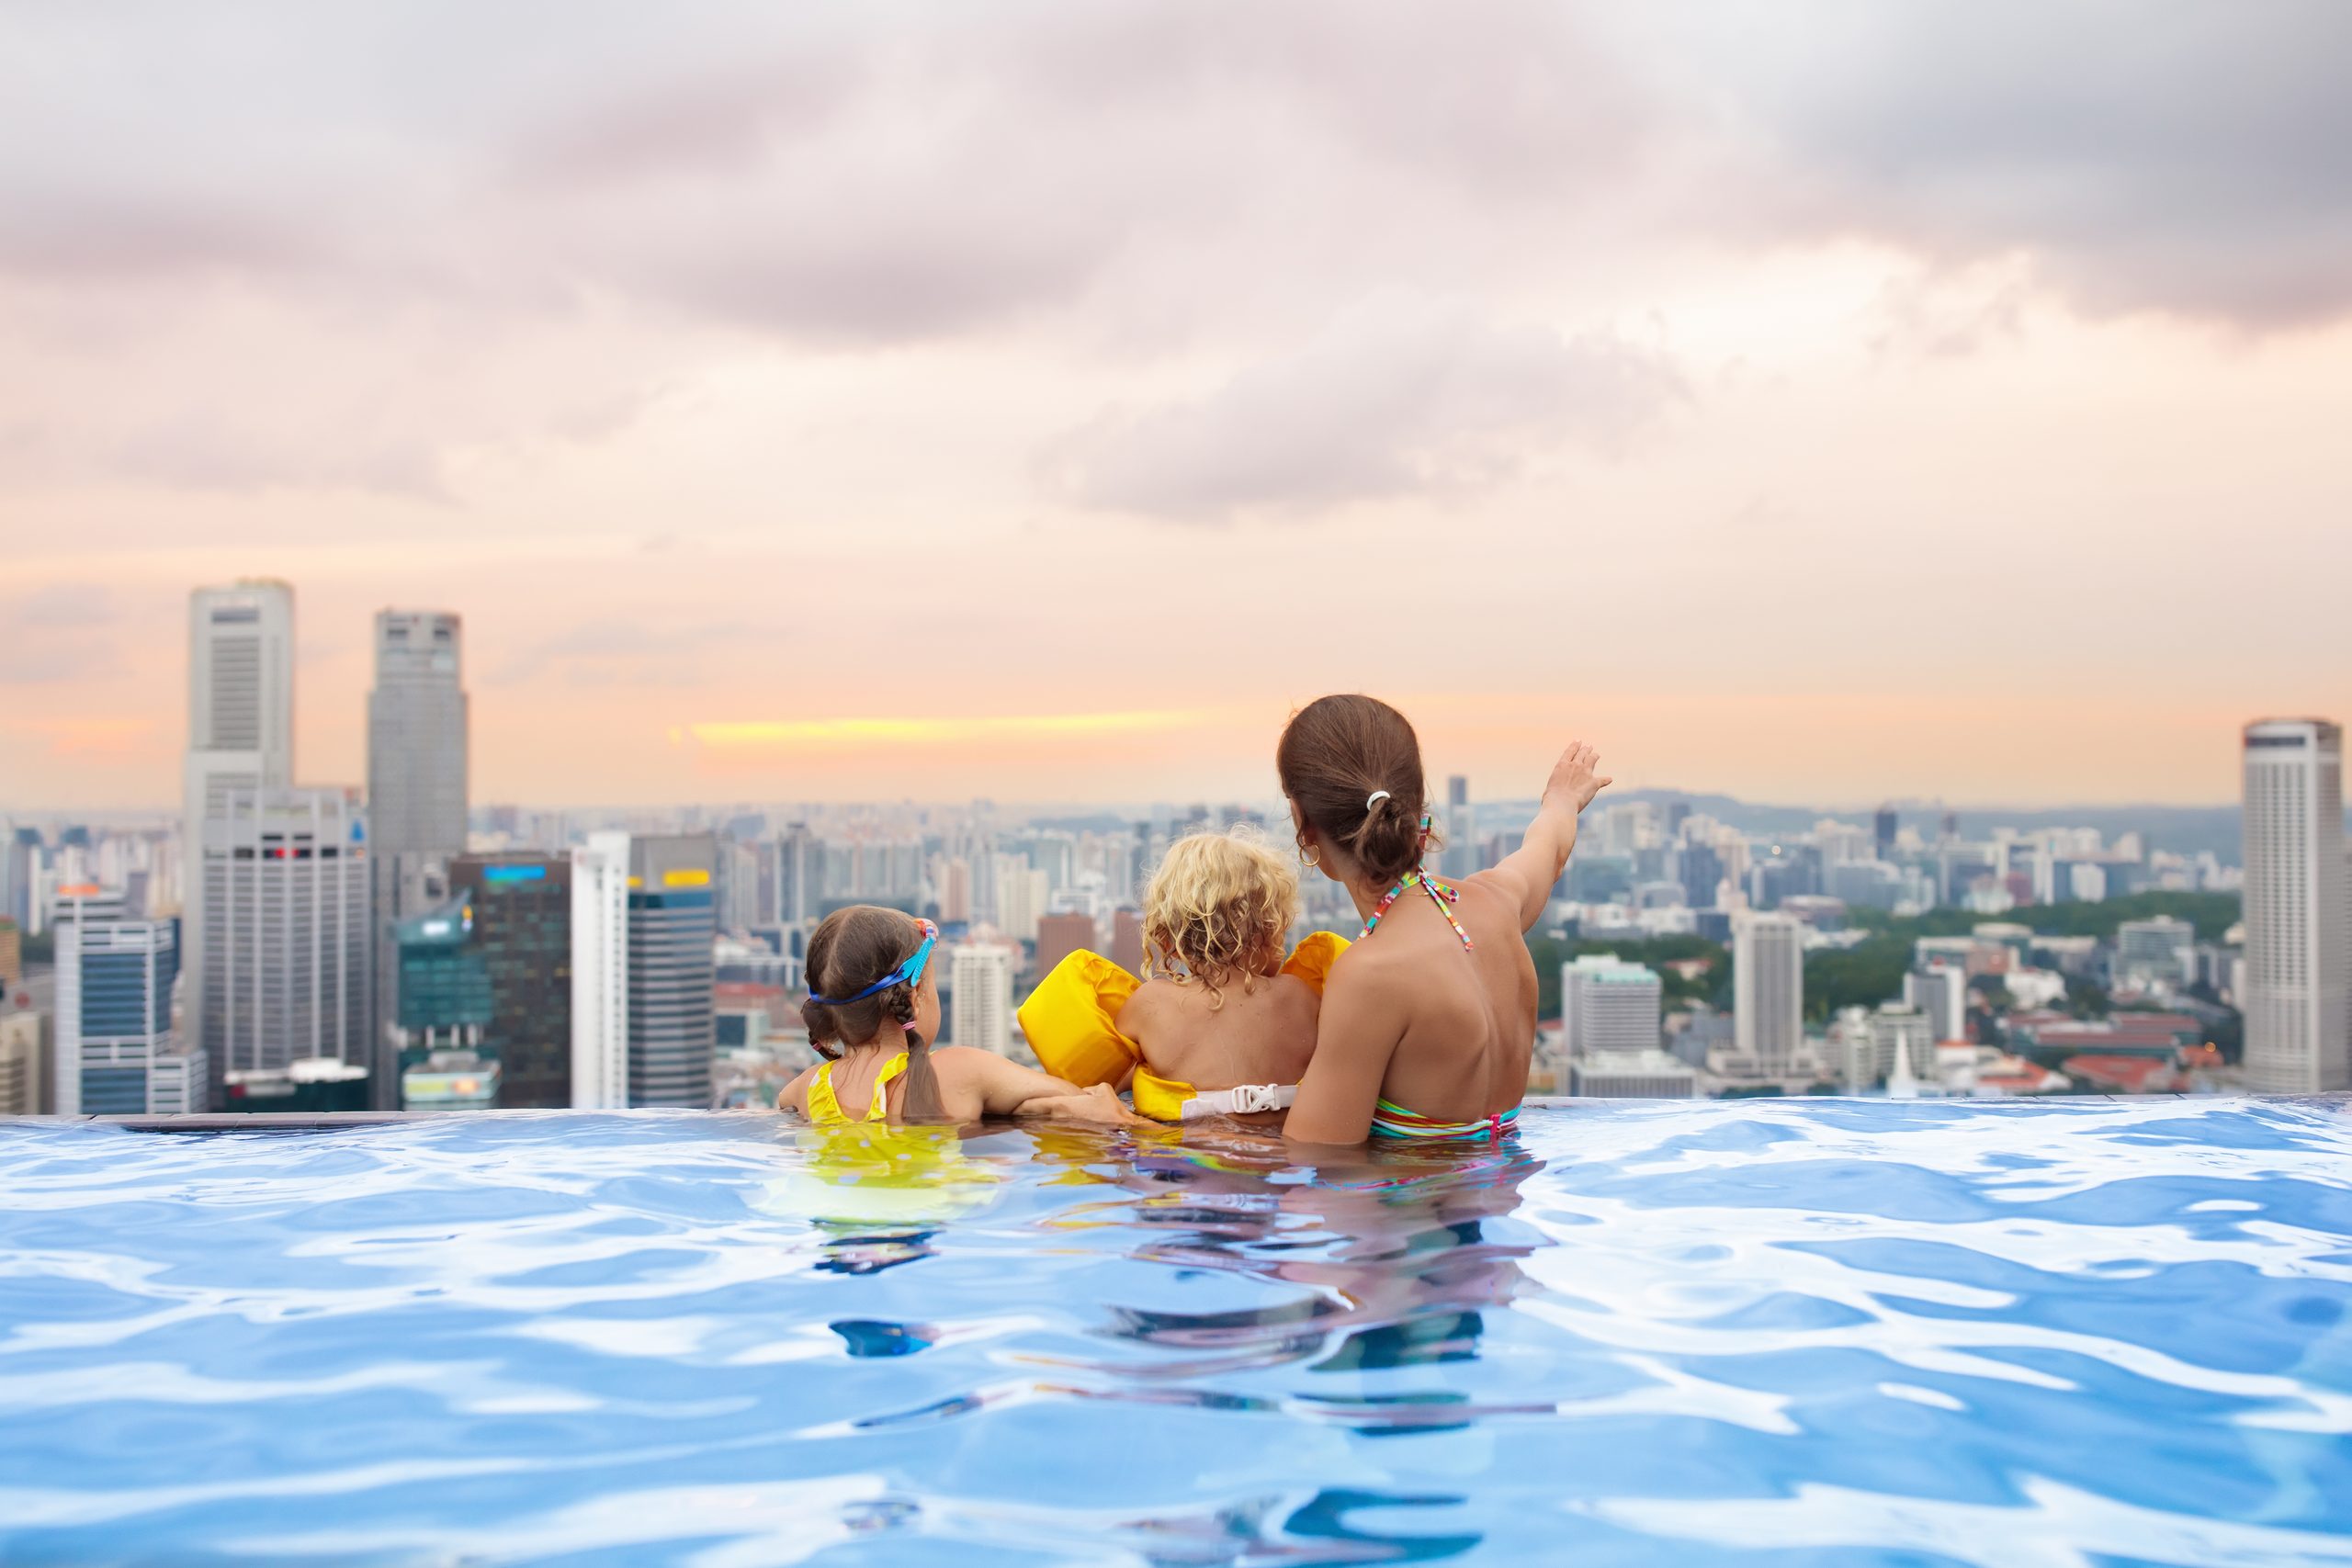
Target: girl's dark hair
1334	753
851	949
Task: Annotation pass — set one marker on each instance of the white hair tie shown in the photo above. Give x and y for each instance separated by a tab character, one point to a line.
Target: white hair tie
1374	798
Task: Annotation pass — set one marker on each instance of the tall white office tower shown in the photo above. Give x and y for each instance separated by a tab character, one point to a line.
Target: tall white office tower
416	796
240	737
1609	1004
113	1008
2297	1010
1768	989
600	974
283	897
979	984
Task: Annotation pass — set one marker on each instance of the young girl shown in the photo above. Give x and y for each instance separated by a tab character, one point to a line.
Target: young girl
1223	1025
1428	1020
873	1011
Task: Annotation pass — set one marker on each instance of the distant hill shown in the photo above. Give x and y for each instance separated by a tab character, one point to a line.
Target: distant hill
2183	830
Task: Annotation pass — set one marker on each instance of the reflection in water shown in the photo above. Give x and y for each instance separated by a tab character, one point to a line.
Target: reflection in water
877	1194
1871	1333
1394	1257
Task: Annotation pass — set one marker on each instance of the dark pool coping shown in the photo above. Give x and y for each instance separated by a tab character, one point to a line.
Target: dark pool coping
322	1122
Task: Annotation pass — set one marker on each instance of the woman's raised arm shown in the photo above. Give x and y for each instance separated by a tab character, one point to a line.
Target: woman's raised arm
1527	874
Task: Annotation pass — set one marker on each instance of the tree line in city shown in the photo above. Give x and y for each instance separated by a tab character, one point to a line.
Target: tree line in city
1872	971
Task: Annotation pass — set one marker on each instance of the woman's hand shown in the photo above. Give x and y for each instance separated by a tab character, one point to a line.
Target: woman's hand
1099	1104
1576	779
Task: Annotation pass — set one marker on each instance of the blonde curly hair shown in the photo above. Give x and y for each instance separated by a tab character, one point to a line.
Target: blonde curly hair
1219	910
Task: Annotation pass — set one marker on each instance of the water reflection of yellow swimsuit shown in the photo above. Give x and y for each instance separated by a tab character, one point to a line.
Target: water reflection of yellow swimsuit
1071	1020
864	1172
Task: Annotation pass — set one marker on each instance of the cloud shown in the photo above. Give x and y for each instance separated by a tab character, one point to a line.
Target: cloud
2189	159
1390	402
658	650
347	247
60	632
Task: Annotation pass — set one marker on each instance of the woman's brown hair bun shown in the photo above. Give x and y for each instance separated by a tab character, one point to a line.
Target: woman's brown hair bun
1353	766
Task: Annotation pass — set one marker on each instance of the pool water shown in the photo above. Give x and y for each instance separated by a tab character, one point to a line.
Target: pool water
1816	1332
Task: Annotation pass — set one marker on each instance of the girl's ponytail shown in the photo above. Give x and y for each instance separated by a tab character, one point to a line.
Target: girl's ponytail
923	1100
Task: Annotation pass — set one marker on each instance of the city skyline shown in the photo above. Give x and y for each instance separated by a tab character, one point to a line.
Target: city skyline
1042	403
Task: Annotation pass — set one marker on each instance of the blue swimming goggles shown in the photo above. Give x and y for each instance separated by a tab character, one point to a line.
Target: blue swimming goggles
907	974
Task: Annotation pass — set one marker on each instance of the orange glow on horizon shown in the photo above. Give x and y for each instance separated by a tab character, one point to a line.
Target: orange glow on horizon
774	734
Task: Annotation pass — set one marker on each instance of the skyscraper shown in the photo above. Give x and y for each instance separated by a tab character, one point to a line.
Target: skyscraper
22	1051
672	1034
600	973
240	737
522	905
2297	1010
1941	992
113	1008
416	795
1058	936
1883	834
1609	1004
1460	856
283	896
1768	989
1903	1043
979	984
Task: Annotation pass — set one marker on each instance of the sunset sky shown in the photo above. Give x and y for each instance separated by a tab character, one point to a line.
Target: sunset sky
1814	402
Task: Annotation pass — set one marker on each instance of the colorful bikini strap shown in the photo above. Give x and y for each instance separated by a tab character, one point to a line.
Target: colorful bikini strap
1442	893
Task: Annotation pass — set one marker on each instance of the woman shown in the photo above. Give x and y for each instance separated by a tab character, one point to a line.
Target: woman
1428	1020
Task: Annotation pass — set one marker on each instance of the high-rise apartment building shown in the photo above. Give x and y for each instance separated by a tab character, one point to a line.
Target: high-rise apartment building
1022	895
283	896
1903	1043
600	879
1127	940
114	1009
1768	988
672	1034
980	985
445	1008
240	739
417	737
2163	948
178	1084
1058	936
23	1050
1609	1004
12	952
2296	1007
1940	991
521	913
1460	856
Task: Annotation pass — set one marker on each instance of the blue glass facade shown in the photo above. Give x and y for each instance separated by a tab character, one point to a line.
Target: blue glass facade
114	1091
119	1000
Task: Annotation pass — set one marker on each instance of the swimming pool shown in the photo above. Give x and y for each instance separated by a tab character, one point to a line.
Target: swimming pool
1816	1331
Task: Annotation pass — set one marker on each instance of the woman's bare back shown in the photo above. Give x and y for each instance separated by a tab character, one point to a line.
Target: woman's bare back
1468	1014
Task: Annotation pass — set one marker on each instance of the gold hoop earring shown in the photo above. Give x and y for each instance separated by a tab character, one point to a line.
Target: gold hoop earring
1302	860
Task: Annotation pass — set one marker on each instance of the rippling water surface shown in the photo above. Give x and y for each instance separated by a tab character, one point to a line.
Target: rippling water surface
1818	1332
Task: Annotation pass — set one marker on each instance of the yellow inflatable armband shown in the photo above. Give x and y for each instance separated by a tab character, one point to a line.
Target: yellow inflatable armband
1312	959
1071	1020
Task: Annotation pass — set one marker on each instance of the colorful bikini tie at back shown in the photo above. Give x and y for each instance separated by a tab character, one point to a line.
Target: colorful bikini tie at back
1442	893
